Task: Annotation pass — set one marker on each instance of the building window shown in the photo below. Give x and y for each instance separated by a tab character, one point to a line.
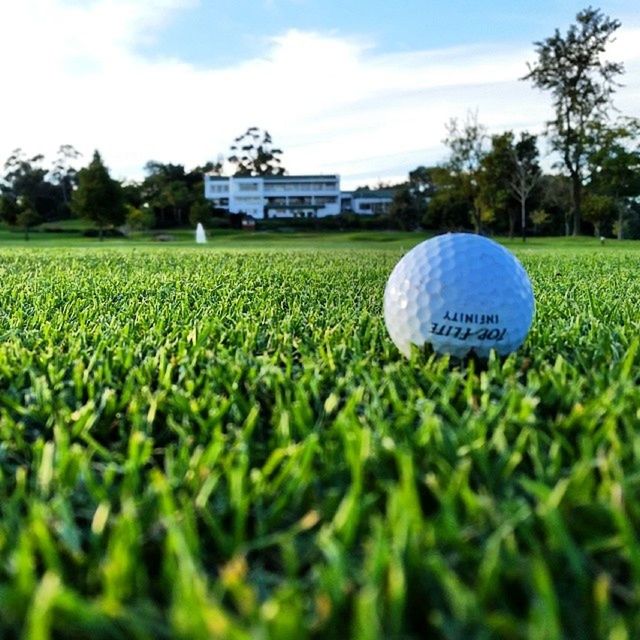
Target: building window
247	186
300	200
248	200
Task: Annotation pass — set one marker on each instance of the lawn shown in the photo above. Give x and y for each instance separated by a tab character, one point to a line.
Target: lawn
222	442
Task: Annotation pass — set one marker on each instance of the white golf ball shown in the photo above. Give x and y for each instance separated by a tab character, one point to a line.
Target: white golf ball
461	293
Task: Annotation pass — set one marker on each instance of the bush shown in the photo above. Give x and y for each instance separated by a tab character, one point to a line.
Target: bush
139	219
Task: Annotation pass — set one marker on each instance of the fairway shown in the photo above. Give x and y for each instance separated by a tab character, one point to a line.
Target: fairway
223	442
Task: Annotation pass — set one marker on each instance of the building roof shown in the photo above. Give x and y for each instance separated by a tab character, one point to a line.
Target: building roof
332	176
374	194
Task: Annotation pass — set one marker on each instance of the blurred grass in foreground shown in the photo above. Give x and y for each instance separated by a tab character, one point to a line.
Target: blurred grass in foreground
211	444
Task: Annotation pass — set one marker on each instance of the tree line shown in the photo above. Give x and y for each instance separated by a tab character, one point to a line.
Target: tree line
169	196
488	183
496	182
32	193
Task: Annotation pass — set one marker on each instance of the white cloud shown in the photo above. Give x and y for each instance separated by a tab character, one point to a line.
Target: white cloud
71	74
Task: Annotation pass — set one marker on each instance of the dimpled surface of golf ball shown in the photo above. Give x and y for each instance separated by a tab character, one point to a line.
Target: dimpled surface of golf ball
461	293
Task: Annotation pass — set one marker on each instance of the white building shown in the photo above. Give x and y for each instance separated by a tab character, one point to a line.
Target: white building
275	196
367	201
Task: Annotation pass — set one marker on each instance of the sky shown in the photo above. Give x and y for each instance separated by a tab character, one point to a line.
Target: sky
359	88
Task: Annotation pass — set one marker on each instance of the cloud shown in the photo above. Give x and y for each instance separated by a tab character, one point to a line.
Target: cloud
72	74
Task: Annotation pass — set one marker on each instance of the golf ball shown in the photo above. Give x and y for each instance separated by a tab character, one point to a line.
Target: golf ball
461	293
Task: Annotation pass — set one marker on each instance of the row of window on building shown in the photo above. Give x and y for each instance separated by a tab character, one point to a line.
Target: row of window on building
292	196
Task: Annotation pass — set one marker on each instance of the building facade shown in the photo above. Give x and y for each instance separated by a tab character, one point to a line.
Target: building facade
275	196
367	202
301	196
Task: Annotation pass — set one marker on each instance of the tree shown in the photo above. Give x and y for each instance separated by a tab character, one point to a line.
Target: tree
166	190
177	196
25	181
139	218
599	210
213	168
467	147
19	212
448	207
132	194
422	187
497	172
526	173
421	181
201	211
9	209
614	165
581	85
63	173
556	199
540	218
23	175
27	217
98	197
509	173
252	154
405	209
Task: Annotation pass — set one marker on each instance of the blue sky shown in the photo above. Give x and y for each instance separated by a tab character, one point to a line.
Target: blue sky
359	88
222	31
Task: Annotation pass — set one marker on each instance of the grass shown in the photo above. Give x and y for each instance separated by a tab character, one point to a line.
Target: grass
67	236
222	442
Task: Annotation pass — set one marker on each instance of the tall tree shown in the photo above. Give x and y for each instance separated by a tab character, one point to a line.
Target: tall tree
253	154
467	149
570	66
98	197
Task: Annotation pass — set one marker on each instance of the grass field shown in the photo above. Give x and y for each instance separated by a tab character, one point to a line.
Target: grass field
222	442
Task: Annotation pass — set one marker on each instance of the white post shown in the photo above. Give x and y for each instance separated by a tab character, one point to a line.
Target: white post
201	237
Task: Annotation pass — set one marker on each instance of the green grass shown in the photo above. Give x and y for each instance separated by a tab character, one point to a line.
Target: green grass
217	239
222	442
68	236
